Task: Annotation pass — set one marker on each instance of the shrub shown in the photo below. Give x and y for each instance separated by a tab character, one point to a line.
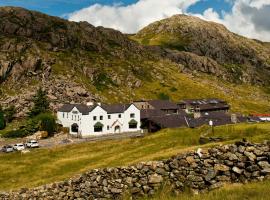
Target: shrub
47	123
15	134
42	122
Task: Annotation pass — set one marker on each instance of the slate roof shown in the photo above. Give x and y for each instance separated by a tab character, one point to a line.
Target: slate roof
147	113
218	118
163	104
169	121
84	109
115	108
206	104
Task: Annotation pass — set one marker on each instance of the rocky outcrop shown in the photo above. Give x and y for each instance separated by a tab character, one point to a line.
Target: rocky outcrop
200	171
210	41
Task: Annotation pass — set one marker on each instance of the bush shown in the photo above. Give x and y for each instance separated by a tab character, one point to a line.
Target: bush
47	123
15	134
42	122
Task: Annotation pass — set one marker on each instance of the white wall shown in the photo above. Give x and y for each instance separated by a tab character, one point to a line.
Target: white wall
66	119
86	122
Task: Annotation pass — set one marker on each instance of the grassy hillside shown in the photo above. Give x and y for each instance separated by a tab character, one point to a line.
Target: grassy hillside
48	165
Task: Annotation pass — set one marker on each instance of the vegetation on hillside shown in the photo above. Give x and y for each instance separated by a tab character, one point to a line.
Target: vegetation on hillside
48	165
40	118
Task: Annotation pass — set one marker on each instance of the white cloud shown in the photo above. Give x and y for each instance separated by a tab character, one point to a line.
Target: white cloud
249	18
131	18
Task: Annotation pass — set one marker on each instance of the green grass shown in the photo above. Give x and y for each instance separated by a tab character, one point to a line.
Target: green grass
251	191
43	166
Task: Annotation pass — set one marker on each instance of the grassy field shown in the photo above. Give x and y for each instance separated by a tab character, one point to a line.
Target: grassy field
48	165
251	191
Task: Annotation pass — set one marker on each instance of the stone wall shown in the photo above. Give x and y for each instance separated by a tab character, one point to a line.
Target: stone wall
200	171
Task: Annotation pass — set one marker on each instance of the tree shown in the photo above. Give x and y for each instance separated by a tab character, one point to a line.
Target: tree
2	119
41	103
9	113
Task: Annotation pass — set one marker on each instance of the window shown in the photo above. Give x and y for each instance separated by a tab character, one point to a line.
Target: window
133	124
108	127
67	115
75	117
95	118
119	116
63	115
100	117
132	115
109	116
71	117
98	127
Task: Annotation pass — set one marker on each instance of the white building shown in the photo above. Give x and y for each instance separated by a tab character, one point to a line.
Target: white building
95	120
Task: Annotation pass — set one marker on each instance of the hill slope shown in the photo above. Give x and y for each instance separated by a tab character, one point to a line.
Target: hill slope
209	47
79	62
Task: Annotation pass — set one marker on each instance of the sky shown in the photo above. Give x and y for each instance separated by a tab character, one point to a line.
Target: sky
250	18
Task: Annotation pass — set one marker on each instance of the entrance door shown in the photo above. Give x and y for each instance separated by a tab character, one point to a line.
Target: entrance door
117	129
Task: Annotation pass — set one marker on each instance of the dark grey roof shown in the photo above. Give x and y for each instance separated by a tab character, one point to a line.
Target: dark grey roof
147	113
84	109
218	118
203	101
115	108
169	121
163	104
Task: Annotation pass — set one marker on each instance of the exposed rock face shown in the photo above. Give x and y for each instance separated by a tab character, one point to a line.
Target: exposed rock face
244	59
64	57
216	166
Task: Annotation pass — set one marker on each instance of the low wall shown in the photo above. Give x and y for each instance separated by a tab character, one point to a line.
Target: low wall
203	170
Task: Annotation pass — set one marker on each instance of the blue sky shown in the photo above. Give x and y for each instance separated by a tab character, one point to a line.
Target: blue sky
62	7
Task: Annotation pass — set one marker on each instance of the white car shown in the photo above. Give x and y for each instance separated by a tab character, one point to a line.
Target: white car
32	144
19	147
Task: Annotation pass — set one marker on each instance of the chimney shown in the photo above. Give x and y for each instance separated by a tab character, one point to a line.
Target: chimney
90	103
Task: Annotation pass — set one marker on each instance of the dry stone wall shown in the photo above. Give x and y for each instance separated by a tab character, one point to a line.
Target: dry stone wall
200	171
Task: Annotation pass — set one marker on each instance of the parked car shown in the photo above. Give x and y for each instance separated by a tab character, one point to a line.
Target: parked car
7	149
32	144
19	147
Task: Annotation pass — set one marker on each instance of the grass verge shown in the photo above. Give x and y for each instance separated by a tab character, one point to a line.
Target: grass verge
43	166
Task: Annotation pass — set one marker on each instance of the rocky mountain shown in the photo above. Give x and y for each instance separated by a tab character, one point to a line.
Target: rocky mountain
209	47
77	62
